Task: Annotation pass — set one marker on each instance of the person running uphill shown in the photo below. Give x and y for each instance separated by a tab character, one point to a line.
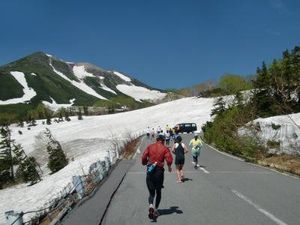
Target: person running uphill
196	145
179	149
154	156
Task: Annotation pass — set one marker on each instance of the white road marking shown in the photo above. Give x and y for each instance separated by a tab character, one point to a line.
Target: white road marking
253	164
242	172
227	154
260	209
204	170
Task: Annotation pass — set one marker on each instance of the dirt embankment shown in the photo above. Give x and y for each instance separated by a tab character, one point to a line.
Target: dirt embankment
285	163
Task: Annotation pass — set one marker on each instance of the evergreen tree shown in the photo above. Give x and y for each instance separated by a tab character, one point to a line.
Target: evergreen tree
67	115
85	110
57	158
219	107
6	160
79	114
27	165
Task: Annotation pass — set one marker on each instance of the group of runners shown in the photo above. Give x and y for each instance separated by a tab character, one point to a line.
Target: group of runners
169	133
154	157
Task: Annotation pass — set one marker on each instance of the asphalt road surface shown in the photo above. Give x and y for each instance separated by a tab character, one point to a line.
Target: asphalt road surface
223	191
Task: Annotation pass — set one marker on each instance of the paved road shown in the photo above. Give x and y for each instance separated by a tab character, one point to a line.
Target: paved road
225	191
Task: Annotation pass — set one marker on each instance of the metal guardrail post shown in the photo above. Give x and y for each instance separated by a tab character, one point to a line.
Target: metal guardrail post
13	218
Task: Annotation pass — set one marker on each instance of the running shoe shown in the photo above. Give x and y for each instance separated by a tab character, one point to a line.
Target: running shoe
151	213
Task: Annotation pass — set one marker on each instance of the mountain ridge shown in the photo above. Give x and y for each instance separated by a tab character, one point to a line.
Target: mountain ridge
54	80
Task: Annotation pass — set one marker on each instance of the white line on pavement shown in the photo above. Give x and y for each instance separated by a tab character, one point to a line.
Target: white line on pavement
260	209
224	153
242	172
204	170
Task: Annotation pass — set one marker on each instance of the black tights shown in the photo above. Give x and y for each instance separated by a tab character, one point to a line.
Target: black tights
152	196
195	159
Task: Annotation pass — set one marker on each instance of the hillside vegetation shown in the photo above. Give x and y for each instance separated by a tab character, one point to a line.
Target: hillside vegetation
276	91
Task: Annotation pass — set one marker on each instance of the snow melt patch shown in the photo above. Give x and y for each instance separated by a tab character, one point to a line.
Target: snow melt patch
287	133
81	85
122	76
104	87
33	74
81	73
140	93
29	93
54	106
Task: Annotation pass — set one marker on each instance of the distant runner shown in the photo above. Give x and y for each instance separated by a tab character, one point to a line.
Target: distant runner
148	132
196	145
179	149
168	136
154	157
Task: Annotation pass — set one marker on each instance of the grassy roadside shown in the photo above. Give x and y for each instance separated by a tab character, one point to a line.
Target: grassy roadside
283	163
130	148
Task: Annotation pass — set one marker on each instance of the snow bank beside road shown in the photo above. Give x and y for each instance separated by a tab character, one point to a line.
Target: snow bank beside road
287	133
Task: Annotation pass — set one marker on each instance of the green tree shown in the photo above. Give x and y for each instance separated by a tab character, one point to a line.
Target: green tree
6	158
57	157
27	165
79	114
219	107
85	110
231	84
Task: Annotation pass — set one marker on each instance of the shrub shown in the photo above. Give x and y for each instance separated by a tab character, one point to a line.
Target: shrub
275	127
273	144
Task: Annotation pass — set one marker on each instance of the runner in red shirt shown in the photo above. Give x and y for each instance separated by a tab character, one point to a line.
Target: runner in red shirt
154	157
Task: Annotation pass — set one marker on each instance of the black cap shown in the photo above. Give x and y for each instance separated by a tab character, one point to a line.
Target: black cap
160	136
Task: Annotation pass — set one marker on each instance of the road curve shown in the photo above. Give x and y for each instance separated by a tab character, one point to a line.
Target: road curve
224	191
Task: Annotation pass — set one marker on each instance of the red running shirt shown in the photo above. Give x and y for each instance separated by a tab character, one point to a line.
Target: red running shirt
157	152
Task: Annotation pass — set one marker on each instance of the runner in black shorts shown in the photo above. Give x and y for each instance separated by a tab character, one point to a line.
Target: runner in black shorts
179	149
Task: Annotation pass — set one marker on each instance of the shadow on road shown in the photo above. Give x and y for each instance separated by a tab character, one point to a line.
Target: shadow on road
186	179
171	210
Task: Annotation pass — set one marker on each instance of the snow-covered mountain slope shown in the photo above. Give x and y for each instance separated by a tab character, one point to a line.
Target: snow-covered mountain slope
41	77
28	92
140	93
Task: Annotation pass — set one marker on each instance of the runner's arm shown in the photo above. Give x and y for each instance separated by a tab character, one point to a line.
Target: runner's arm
168	157
185	149
145	156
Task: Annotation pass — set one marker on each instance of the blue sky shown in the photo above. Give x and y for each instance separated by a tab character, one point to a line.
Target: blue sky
164	43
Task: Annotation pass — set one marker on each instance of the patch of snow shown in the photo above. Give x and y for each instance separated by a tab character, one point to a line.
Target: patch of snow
33	74
49	55
81	85
29	93
104	87
122	76
140	93
81	73
54	106
287	133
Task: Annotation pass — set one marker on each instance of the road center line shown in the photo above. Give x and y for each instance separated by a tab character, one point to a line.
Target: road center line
260	209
